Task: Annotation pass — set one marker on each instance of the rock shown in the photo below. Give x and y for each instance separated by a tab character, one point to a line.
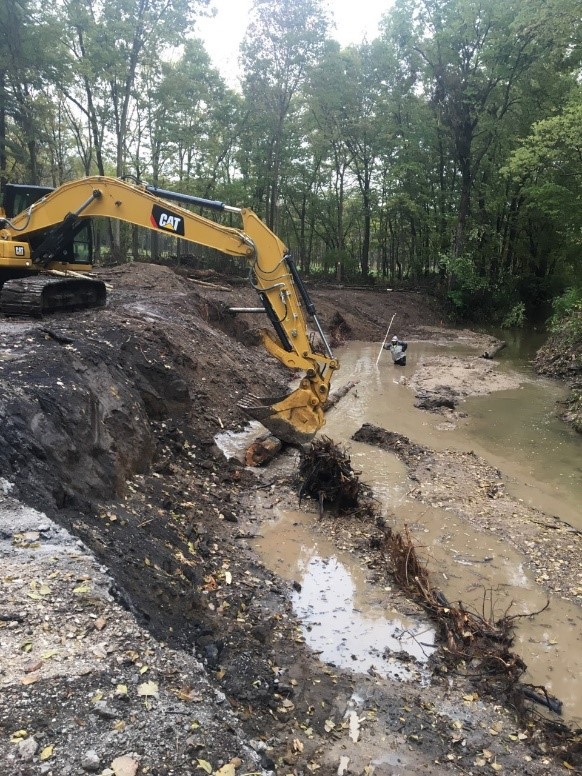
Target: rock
104	711
124	766
91	761
27	748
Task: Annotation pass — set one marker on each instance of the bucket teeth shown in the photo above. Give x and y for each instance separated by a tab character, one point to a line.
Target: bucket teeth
259	408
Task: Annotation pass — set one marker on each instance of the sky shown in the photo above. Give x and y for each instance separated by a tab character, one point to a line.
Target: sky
354	19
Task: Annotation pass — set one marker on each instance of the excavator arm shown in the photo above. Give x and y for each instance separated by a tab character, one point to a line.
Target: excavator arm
35	237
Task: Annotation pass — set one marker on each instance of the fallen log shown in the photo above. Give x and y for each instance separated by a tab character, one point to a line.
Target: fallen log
543	698
339	394
262	450
494	349
205	283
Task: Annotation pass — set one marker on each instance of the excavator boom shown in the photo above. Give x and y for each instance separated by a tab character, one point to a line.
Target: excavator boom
38	240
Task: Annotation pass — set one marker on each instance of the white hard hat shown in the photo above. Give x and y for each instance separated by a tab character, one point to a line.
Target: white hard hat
395	338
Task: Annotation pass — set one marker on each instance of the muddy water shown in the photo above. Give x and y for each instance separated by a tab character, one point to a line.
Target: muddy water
541	462
348	623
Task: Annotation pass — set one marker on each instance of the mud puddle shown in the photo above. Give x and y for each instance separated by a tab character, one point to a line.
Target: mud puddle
539	455
347	622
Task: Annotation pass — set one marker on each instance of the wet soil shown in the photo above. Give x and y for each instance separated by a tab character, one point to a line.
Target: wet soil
139	631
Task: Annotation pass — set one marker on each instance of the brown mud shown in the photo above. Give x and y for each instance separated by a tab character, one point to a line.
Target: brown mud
139	632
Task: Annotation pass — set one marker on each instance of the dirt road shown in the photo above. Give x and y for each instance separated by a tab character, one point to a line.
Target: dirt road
138	631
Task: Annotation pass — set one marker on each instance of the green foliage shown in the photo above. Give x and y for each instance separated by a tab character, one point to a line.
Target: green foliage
566	320
465	286
515	318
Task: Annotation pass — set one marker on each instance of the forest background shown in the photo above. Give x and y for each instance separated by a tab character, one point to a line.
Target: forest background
445	154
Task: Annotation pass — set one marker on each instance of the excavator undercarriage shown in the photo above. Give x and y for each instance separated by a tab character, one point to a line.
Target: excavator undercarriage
42	294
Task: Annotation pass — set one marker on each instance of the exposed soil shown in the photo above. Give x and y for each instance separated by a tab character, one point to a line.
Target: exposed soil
138	631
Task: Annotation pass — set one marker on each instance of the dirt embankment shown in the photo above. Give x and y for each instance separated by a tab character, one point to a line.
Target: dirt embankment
138	632
561	358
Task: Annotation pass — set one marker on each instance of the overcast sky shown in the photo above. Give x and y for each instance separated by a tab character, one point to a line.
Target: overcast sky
355	19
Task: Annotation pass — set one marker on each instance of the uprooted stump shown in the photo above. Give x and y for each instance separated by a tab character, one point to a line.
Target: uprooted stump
327	475
480	644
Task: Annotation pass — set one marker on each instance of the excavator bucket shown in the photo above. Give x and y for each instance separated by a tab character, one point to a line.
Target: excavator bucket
294	419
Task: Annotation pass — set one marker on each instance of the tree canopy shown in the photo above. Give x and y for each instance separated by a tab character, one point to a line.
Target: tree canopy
445	151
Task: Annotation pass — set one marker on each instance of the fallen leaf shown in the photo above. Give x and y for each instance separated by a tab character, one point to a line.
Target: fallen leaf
354	727
496	766
46	753
205	765
297	745
49	653
343	765
82	589
148	689
99	650
121	689
329	725
226	770
18	735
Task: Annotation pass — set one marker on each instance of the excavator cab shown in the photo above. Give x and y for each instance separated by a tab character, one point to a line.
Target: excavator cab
76	248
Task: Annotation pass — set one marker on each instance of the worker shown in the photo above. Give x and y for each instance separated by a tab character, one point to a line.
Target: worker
397	351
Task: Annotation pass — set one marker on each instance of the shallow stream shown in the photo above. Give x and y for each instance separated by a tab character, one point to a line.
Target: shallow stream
541	462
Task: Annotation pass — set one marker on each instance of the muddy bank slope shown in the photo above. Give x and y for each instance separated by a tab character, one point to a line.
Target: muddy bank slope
158	644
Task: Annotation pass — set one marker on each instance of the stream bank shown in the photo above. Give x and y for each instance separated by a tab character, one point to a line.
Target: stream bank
168	644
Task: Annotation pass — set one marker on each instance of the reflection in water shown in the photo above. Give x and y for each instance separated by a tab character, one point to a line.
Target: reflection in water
349	638
342	618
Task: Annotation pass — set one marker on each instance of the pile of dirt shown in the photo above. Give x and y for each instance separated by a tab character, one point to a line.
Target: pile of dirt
139	633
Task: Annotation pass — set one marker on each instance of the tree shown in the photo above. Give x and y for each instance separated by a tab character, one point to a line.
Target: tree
471	59
283	41
31	58
547	172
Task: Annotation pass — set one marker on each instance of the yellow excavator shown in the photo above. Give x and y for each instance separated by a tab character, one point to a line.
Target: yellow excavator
46	247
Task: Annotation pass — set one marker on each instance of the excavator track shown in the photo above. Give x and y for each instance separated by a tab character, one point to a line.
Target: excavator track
40	295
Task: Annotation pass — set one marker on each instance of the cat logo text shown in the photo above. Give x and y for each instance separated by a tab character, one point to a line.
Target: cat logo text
162	218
